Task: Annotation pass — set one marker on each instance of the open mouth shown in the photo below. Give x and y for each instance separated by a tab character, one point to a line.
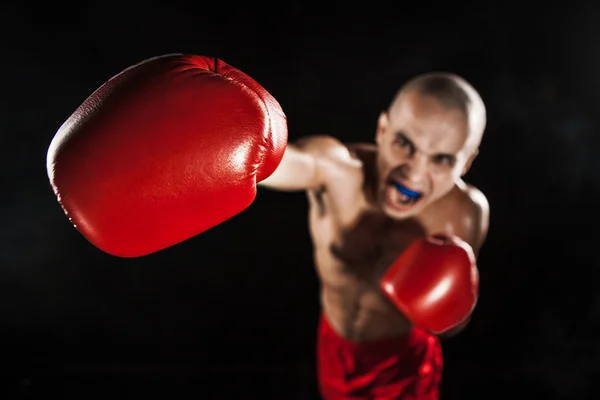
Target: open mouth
401	196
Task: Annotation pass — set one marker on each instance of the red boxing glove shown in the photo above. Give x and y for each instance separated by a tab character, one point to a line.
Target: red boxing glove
434	282
163	151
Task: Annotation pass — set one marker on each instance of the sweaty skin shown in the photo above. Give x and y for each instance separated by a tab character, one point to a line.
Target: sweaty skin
358	227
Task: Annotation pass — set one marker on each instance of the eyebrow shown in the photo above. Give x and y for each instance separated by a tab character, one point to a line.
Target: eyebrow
403	136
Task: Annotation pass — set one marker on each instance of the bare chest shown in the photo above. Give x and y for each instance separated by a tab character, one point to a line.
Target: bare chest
360	251
353	242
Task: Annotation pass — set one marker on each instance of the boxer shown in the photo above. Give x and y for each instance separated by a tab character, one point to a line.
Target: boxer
177	144
367	204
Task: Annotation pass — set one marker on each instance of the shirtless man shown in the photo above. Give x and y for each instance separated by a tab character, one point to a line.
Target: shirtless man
360	222
175	145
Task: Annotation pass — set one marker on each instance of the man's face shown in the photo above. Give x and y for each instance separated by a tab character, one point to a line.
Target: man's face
421	153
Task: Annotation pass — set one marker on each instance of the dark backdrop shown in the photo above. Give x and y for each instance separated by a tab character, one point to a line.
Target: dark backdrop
232	313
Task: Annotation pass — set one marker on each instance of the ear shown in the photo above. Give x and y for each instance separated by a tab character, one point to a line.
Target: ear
382	124
469	162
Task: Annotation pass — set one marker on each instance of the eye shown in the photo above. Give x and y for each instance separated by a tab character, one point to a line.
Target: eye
402	141
444	159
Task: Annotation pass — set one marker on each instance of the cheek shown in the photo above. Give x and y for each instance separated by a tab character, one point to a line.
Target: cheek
444	179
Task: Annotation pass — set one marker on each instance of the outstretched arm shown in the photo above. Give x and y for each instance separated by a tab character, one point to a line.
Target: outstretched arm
304	164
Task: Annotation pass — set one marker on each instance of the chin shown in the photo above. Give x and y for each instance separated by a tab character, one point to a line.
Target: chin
394	213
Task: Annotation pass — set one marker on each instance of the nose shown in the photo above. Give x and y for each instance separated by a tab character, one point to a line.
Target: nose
415	169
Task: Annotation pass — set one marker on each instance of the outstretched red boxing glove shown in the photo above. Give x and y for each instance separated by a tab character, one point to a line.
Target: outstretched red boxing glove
163	151
434	282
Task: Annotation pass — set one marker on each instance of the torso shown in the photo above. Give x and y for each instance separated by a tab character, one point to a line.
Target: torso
354	244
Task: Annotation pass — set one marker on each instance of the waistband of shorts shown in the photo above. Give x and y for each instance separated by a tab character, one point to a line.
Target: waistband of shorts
410	339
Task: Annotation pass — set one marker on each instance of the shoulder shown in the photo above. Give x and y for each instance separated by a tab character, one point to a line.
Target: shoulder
475	201
475	214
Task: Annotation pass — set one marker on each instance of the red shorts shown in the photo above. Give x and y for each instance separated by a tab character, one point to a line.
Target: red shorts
407	368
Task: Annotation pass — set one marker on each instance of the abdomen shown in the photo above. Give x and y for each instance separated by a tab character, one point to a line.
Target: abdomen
355	307
361	314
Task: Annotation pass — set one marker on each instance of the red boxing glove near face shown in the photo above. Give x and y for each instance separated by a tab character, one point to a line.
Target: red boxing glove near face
163	151
434	282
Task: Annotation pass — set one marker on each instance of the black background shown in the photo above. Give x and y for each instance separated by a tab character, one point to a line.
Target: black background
232	313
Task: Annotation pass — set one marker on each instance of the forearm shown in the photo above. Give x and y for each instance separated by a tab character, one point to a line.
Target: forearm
297	171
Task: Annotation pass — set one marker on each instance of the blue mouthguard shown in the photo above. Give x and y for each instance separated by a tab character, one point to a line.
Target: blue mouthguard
406	191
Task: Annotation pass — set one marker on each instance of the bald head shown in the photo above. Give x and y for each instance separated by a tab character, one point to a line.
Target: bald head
452	92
